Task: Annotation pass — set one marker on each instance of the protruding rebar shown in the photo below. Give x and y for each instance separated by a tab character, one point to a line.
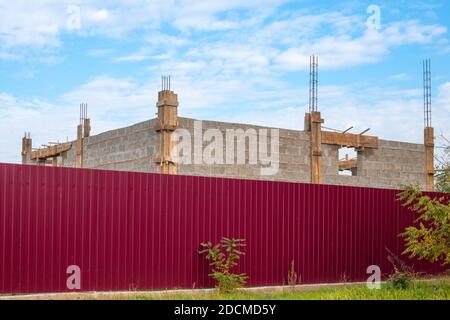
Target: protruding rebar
313	83
427	92
83	112
165	83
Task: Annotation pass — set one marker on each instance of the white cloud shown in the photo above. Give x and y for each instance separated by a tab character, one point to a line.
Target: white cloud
41	24
248	41
113	102
204	24
100	52
146	53
400	77
286	42
25	23
346	50
20	115
137	57
98	15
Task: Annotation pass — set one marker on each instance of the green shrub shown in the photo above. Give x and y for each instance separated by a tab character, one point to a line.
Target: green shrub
224	257
400	280
429	238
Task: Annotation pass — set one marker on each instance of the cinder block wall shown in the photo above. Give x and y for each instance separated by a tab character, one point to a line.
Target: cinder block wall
133	148
393	163
136	148
293	154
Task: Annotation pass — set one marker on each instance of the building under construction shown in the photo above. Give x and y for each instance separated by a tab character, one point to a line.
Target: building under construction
311	155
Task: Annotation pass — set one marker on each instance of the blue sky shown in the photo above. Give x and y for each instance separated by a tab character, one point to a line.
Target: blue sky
239	61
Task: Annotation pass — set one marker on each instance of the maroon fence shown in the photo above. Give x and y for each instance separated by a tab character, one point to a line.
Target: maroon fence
134	231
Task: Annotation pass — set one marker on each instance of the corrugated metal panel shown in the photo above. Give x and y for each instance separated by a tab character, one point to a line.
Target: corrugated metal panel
142	231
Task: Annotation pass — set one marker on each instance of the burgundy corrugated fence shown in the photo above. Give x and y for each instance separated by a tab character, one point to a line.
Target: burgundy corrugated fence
135	231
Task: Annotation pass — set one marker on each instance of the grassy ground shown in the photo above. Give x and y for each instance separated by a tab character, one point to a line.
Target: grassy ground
435	289
432	289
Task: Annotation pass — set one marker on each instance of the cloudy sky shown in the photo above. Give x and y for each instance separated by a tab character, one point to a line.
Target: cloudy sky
230	60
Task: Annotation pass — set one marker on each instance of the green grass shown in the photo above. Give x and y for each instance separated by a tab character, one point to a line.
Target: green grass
433	290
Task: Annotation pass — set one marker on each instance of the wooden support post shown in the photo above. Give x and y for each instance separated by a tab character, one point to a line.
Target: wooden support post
429	158
55	161
316	147
79	158
168	122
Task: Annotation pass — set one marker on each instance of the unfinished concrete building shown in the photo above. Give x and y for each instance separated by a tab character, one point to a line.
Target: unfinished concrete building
311	155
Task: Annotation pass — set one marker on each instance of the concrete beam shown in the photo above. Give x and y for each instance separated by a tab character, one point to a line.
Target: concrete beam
349	140
51	151
347	164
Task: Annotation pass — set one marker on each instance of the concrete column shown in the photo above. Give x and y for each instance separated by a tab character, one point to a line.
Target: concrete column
87	128
307	122
26	149
168	122
316	147
79	158
429	158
